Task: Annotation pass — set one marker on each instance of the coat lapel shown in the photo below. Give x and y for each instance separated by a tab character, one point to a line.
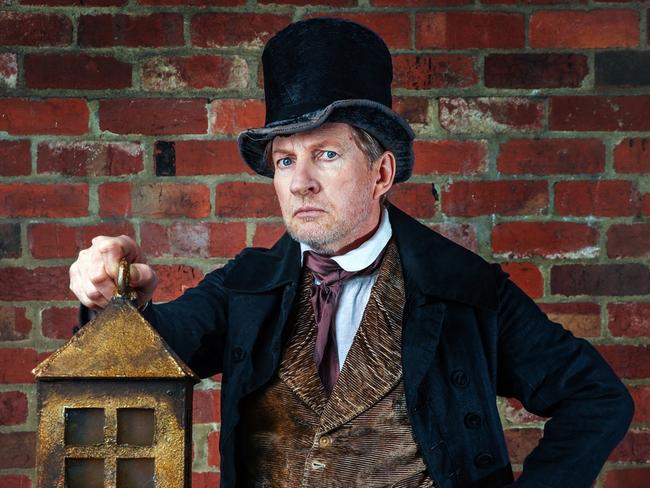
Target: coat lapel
372	367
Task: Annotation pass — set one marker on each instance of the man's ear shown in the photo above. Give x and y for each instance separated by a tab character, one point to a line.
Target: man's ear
385	168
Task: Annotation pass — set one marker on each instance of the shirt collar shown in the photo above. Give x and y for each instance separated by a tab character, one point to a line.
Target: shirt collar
363	256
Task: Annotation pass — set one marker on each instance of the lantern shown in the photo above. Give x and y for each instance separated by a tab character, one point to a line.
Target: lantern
114	406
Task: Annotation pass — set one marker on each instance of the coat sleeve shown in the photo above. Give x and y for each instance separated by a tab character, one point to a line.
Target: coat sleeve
557	375
194	325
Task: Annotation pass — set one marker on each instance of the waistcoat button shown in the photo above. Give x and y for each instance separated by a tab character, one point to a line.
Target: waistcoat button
459	378
472	420
238	354
484	460
325	441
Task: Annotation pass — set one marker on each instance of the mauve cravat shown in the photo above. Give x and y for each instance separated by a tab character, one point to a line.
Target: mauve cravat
324	299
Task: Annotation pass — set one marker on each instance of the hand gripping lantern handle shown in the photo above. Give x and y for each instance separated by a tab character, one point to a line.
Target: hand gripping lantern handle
123	289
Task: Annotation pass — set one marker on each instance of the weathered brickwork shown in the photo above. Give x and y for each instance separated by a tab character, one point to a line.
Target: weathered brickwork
533	149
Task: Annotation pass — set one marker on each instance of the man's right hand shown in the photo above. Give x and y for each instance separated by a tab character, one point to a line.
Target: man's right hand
94	273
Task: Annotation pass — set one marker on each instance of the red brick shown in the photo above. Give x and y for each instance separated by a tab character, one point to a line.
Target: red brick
333	3
14	324
533	2
15	481
43	200
450	157
416	199
489	114
208	158
197	72
628	241
235	29
153	30
206	406
16	158
173	280
90	158
10	240
13	408
205	479
18	450
635	447
154	116
623	113
198	3
8	70
602	198
627	478
521	442
233	116
196	240
516	413
551	156
55	240
584	29
57	322
629	319
246	200
76	71
115	199
533	70
526	276
57	116
583	319
641	397
168	200
601	279
393	28
418	3
32	29
267	234
463	234
468	30
425	71
16	366
38	283
413	109
632	155
645	204
213	449
473	198
548	239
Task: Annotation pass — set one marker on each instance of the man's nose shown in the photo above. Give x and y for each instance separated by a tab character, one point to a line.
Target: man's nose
304	180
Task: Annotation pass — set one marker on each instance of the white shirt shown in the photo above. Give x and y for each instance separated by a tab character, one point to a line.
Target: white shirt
355	292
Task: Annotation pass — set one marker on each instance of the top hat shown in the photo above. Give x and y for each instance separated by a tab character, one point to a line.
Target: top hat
328	70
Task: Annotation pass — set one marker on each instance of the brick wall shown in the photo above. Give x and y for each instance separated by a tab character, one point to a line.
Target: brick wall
120	116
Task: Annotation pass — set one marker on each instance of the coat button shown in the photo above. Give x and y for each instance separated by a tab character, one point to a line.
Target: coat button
238	354
325	441
459	378
472	420
484	460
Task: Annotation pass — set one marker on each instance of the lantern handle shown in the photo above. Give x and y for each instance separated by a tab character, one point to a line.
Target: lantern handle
123	289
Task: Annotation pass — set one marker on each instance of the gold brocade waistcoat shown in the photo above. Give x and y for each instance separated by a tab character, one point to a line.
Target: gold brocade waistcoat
292	435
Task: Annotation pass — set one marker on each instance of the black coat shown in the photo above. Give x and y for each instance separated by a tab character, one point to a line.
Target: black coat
469	335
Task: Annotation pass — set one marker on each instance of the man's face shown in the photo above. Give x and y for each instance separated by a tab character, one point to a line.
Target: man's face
326	188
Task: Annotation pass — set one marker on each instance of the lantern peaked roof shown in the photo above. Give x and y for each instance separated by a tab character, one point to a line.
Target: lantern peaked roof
117	343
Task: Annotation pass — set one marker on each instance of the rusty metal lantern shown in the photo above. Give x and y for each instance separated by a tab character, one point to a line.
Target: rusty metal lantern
114	405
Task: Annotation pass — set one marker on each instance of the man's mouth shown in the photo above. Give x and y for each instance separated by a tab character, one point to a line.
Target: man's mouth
308	212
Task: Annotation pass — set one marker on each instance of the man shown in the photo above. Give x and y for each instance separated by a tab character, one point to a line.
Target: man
364	349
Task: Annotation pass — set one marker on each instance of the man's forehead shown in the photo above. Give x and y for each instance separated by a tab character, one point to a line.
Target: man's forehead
332	132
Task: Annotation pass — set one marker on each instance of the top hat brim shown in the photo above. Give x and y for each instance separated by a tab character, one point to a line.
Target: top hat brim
389	128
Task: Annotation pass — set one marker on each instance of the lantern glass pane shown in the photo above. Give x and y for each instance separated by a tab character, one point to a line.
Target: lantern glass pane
135	473
135	426
84	426
84	473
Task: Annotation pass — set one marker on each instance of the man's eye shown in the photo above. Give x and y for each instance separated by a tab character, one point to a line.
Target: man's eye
330	154
284	162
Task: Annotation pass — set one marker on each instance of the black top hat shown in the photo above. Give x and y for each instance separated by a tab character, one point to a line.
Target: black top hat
332	70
